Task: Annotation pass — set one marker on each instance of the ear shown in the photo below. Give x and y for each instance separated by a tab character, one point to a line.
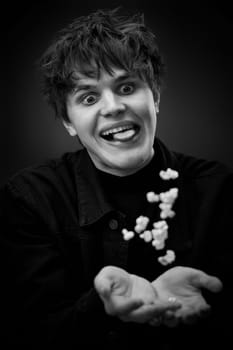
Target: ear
69	127
157	103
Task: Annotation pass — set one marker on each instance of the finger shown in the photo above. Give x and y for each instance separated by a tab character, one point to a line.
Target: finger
152	311
205	312
170	319
169	314
203	280
121	305
141	315
103	286
192	312
190	319
171	322
107	277
170	305
155	322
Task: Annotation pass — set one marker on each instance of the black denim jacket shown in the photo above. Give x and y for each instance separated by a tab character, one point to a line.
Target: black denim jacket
58	230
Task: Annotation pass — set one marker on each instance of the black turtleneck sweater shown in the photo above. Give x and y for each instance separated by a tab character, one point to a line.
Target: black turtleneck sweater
128	195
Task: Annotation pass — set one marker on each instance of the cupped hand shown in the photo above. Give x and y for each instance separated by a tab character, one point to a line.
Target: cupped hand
129	297
185	285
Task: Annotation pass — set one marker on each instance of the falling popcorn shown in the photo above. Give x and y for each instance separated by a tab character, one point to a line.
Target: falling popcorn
147	236
127	234
158	244
158	235
166	210
141	223
160	224
169	196
168	174
152	197
167	214
168	258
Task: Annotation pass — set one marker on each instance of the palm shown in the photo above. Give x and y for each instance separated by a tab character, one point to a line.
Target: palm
185	285
121	285
130	297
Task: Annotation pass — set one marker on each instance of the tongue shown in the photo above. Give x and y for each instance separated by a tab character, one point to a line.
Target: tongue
124	135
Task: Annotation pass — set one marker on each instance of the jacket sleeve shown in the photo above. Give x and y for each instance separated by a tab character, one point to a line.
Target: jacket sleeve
35	306
214	249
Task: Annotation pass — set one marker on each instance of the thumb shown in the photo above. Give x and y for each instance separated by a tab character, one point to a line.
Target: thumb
211	283
103	286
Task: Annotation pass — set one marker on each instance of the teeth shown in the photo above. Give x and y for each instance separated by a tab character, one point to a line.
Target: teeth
116	130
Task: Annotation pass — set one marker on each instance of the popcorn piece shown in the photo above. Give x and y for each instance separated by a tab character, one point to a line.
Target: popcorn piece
170	255
160	224
169	196
163	261
165	206
167	214
168	258
152	197
158	244
124	231
147	236
165	198
163	174
127	235
141	223
168	174
139	228
173	192
142	220
159	234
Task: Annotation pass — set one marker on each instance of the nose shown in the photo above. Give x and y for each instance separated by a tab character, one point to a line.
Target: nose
111	105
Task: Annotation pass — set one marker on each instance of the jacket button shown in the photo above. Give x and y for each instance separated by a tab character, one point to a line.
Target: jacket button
113	224
112	335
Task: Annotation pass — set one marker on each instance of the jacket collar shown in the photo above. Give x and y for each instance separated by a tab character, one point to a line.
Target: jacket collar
92	201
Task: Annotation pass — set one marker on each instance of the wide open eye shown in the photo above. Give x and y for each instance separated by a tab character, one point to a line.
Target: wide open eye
89	99
127	89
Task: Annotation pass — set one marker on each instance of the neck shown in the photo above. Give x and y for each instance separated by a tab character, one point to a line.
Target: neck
123	172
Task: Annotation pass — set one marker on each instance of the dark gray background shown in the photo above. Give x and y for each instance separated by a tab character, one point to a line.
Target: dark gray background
196	105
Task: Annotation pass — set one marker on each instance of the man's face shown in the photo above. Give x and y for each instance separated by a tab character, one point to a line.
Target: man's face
115	119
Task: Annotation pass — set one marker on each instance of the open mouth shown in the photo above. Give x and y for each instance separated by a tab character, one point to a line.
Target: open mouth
121	133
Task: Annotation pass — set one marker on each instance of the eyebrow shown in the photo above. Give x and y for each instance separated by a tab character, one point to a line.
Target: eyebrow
83	87
127	76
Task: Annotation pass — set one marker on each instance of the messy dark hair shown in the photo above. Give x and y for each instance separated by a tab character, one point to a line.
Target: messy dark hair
102	40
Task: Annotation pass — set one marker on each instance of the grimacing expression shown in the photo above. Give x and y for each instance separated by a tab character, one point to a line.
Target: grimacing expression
114	116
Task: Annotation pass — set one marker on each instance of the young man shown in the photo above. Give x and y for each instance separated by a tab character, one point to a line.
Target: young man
118	243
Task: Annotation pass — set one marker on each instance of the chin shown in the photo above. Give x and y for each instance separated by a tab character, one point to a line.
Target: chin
131	165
